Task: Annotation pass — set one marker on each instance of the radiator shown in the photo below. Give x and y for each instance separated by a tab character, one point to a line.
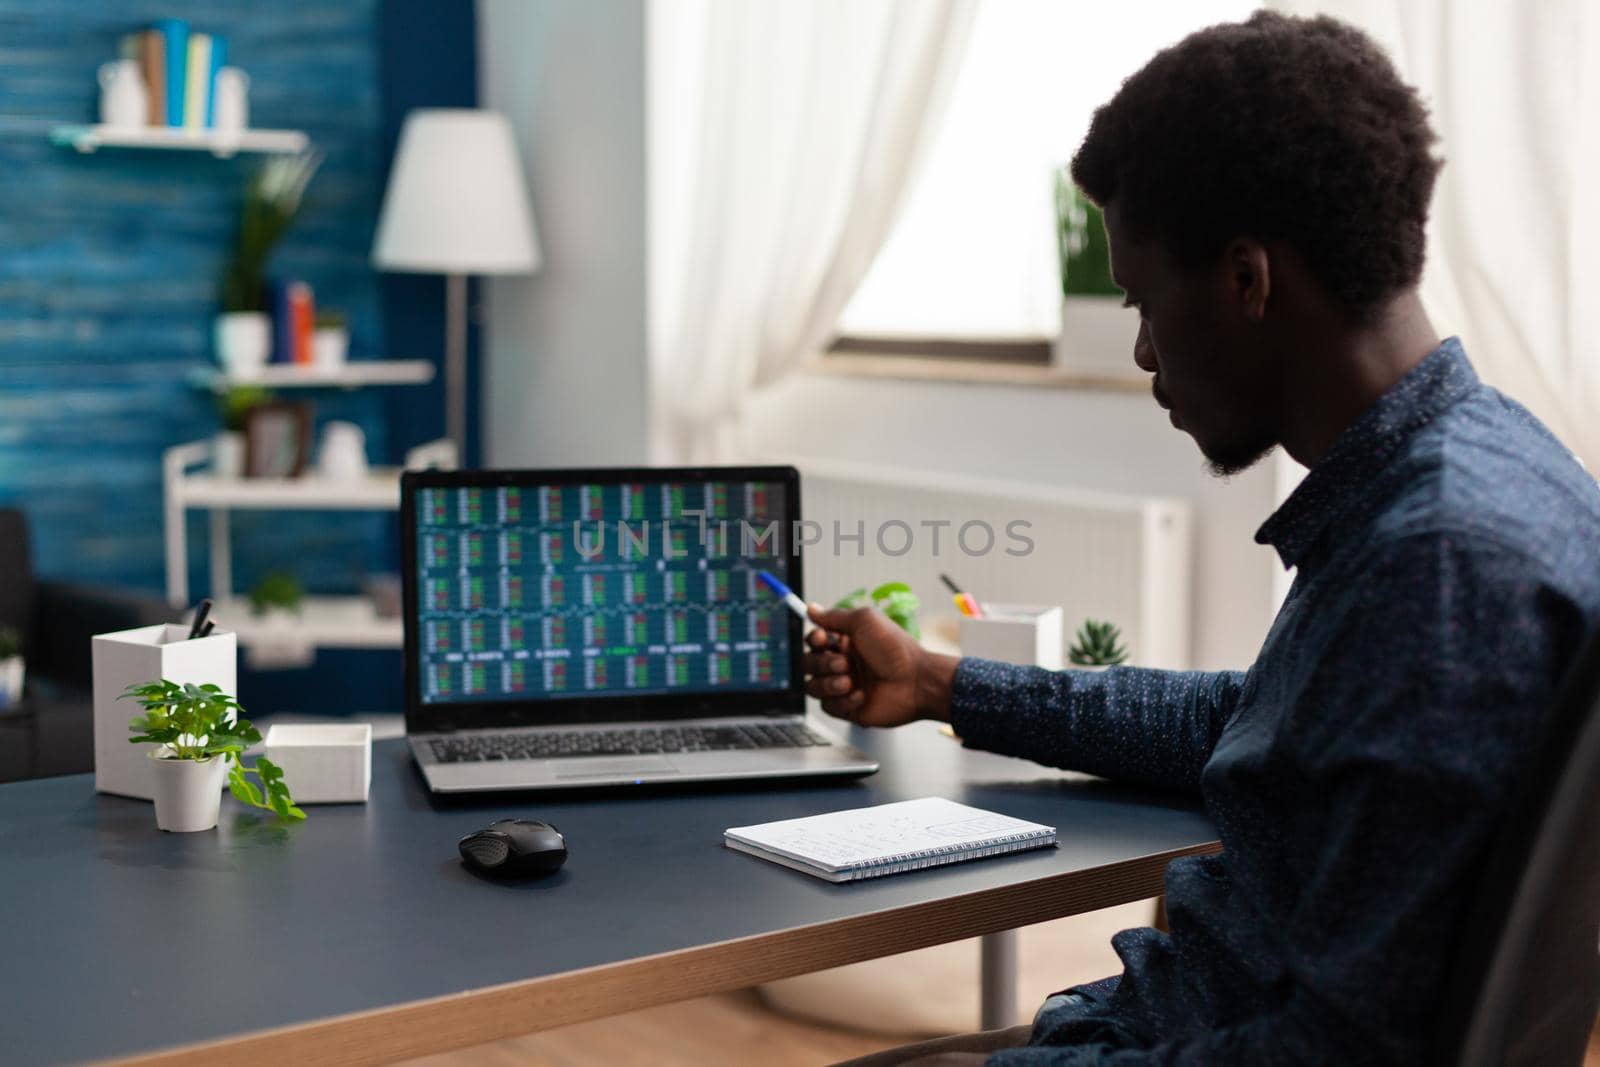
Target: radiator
1098	555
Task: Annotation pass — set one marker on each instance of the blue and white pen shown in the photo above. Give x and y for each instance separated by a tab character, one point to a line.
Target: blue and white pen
795	604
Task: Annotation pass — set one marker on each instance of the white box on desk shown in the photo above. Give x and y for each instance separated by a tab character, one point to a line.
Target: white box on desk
323	763
134	657
1029	634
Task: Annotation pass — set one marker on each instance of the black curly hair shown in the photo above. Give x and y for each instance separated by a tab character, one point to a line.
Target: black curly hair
1298	129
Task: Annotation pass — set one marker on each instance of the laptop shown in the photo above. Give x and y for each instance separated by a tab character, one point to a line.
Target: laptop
581	628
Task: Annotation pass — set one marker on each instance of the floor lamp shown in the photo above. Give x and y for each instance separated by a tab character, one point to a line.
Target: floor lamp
456	205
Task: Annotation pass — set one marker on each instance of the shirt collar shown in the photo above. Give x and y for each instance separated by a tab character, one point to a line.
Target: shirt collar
1366	445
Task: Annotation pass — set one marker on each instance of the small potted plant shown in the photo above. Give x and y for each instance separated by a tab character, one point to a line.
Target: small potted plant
271	202
234	405
1095	646
12	667
330	340
200	733
1097	332
278	592
895	599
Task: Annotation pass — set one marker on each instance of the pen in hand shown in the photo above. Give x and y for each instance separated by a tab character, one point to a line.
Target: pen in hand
795	604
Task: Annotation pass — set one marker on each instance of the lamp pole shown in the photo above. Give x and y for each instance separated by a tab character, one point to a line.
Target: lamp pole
455	364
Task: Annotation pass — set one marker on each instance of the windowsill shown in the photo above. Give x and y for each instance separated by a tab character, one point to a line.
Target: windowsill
971	372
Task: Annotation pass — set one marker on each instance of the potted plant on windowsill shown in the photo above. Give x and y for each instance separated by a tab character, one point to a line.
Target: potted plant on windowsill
271	201
13	670
1097	332
201	733
1095	646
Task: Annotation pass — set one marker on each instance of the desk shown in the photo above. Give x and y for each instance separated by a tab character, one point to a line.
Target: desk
358	936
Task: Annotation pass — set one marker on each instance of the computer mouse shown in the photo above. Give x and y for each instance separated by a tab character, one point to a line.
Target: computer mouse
515	847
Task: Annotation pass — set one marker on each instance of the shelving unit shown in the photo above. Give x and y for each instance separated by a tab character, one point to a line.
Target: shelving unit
220	143
322	622
352	375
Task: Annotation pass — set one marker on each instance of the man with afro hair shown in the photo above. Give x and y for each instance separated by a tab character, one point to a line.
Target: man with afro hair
1265	187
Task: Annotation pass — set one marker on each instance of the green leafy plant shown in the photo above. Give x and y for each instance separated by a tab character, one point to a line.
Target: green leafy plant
271	202
1081	242
1095	645
276	589
10	642
235	403
897	601
201	722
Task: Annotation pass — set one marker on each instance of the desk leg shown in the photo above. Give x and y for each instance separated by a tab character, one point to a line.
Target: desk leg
999	978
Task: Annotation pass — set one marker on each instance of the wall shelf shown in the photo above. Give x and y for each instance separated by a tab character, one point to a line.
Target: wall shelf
352	375
331	622
219	143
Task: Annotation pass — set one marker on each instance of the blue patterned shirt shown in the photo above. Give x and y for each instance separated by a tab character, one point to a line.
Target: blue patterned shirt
1447	557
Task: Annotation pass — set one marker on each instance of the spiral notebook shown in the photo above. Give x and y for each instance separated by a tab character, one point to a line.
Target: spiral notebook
843	846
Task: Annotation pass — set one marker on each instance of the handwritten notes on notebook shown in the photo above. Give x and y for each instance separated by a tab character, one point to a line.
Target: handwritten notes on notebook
842	846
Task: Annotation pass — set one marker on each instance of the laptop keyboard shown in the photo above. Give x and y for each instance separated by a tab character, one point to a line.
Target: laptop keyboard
636	742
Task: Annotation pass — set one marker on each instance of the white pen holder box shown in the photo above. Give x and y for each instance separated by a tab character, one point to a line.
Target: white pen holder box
323	763
1014	633
134	657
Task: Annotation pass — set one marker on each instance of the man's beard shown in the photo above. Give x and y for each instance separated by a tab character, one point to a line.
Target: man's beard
1236	459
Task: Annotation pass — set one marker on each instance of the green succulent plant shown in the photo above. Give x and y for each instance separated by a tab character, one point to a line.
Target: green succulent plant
10	642
201	722
897	601
276	589
1095	645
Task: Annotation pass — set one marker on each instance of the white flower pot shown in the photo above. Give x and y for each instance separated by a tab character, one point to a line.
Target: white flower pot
227	454
188	793
243	341
329	346
1097	337
12	671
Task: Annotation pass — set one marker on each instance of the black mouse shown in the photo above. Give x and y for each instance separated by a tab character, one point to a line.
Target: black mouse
515	847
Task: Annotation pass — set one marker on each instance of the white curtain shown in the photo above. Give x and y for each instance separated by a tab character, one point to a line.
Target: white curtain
1514	235
782	140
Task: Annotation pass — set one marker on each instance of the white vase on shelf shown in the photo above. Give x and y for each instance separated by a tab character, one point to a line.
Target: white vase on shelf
243	341
124	102
227	454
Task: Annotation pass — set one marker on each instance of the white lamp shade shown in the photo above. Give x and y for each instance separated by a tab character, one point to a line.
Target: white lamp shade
456	202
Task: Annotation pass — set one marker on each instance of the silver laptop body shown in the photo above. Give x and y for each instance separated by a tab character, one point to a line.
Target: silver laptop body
604	627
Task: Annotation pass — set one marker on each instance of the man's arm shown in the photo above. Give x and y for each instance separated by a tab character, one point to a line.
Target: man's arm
1147	726
1126	723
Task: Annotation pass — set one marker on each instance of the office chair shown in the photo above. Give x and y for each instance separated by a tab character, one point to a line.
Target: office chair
1527	982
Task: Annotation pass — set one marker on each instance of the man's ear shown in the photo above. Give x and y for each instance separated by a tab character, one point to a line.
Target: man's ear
1249	277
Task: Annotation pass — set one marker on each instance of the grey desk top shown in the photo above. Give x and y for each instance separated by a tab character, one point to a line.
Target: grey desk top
117	938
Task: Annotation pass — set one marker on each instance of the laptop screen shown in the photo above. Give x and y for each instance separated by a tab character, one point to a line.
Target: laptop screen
598	594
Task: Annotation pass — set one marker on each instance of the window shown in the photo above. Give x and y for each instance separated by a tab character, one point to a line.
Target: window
970	267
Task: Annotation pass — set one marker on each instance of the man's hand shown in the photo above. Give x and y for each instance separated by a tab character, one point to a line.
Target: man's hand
866	669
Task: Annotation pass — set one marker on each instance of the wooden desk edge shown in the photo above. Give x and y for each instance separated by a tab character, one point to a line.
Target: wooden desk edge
438	1024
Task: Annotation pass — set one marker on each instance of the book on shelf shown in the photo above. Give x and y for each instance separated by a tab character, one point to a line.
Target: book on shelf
175	55
293	317
153	65
219	59
196	81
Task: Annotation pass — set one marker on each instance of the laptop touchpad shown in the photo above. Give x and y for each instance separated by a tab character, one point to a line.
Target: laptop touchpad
611	768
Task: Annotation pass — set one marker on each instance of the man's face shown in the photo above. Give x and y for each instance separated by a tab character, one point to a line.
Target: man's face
1211	362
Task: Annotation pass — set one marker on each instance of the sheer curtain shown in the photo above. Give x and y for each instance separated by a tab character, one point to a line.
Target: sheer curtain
782	140
1514	235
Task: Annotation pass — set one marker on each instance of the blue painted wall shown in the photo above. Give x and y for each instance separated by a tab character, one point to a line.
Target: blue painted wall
108	268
